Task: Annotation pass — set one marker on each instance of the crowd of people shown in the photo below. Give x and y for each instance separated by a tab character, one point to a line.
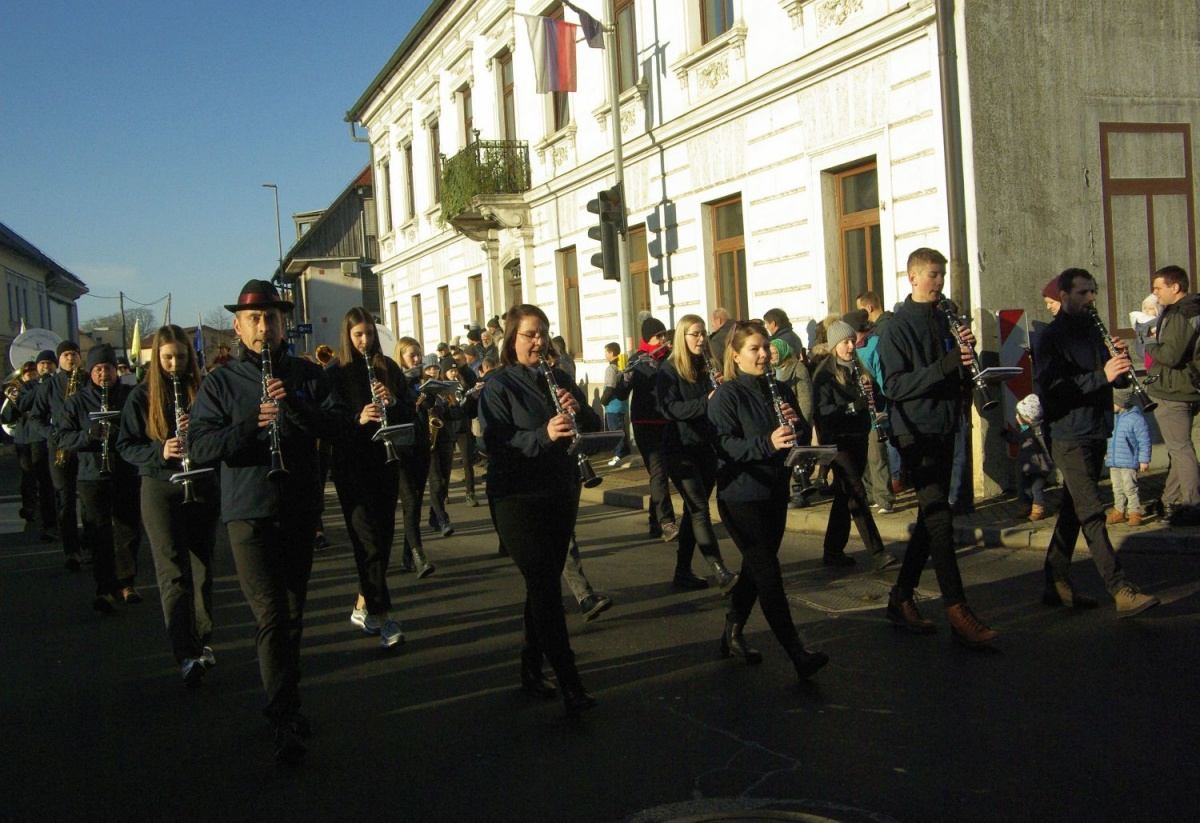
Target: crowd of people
734	411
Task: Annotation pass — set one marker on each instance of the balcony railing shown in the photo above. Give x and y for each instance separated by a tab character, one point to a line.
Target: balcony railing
484	167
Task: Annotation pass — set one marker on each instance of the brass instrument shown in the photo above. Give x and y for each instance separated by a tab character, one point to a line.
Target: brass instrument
61	456
188	474
879	420
390	449
436	424
983	391
277	470
12	388
1140	395
587	475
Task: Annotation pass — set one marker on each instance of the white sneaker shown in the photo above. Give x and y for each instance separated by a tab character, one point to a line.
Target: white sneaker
372	624
358	617
616	461
207	657
390	634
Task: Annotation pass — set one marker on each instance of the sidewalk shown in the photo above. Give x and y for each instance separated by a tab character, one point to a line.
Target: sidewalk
994	523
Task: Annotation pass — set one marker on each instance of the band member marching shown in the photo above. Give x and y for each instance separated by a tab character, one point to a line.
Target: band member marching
756	424
180	518
38	497
107	485
46	407
533	486
261	417
414	472
441	446
366	472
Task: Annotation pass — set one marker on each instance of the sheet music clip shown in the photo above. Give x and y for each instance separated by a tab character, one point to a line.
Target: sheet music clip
402	434
823	454
446	388
999	374
183	477
595	442
101	416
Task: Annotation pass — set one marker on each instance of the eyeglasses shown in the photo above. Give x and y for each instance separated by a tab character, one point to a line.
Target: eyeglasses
699	335
532	335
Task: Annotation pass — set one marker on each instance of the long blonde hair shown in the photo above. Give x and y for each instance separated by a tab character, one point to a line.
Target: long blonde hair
403	345
741	330
681	357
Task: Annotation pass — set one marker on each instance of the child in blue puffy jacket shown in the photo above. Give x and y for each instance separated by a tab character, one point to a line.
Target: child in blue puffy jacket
1128	454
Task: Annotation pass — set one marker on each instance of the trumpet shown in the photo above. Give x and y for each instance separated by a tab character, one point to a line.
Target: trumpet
879	420
61	456
277	470
379	402
982	389
587	475
1140	395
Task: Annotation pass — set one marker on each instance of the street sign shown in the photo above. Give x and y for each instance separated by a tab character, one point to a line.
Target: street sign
304	328
292	334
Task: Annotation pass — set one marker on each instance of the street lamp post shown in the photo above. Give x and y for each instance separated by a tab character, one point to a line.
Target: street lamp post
278	235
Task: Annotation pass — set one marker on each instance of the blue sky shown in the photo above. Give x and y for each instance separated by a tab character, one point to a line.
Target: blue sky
135	136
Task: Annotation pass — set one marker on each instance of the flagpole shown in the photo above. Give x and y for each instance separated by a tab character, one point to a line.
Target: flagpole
632	339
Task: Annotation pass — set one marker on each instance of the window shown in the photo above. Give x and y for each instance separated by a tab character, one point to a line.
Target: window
639	269
627	66
475	297
395	316
418	326
18	297
508	103
410	200
858	229
716	18
435	159
572	331
468	116
560	110
729	256
385	182
444	314
1149	209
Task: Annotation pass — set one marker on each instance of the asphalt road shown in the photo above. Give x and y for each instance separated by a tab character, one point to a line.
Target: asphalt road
1072	716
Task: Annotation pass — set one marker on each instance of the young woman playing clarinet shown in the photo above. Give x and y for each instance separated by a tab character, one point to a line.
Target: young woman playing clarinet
414	469
755	426
180	518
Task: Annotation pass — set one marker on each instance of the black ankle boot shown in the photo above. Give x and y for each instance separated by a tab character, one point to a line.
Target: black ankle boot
532	679
422	565
807	663
576	700
733	644
726	579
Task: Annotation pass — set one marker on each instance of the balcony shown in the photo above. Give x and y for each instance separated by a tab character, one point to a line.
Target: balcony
483	186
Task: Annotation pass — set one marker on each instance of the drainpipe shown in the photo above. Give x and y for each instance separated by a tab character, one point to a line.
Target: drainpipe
952	140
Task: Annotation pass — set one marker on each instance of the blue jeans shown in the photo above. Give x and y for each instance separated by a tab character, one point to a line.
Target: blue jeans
615	422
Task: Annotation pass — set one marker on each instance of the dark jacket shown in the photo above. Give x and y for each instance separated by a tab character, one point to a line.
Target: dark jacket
922	370
514	408
224	427
1068	367
18	422
77	433
788	335
48	401
841	408
353	449
685	406
138	449
37	419
641	376
1174	351
749	467
718	340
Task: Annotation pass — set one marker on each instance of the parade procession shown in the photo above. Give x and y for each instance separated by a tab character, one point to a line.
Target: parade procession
584	456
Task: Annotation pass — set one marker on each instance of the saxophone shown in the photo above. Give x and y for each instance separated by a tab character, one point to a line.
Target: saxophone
63	455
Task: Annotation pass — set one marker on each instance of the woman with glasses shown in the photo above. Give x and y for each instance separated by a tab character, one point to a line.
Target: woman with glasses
753	435
533	489
414	471
685	384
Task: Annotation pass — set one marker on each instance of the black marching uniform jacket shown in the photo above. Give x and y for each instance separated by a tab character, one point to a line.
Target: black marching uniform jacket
922	371
750	468
138	448
354	450
47	403
1068	368
77	433
685	406
837	424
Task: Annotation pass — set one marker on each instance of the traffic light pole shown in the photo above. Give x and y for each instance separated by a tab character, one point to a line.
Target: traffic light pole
632	336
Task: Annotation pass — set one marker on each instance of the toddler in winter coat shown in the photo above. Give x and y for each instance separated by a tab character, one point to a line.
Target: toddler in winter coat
1128	454
1033	457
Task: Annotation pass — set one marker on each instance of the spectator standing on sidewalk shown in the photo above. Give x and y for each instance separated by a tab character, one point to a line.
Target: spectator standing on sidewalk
1033	457
1128	456
1176	370
614	408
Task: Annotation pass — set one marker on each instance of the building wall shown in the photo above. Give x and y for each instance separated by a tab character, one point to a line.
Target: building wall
41	307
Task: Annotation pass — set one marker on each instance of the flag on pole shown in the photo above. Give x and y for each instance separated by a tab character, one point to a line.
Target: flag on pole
199	343
135	347
22	331
593	32
553	45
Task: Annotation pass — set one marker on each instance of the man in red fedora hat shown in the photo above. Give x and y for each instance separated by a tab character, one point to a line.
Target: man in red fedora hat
260	416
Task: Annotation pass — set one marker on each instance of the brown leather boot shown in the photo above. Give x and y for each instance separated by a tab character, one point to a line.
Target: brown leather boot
1037	512
968	629
1135	519
1115	517
904	615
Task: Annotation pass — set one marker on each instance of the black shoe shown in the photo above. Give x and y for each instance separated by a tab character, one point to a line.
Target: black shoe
321	541
836	559
806	663
656	530
726	579
289	745
422	567
594	605
434	523
447	529
686	580
471	501
577	701
534	682
733	644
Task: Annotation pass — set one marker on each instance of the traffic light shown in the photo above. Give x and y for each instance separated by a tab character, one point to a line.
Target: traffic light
610	207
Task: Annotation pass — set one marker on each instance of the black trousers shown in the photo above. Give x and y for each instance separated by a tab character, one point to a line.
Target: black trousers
694	473
649	444
850	500
65	496
537	531
112	527
414	473
1081	463
47	507
181	543
441	461
273	557
757	530
927	461
368	499
465	441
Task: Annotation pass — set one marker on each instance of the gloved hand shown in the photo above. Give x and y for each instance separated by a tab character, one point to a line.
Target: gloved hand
860	404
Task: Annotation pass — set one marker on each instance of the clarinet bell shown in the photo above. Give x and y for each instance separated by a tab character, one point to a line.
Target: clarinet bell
189	494
587	475
987	400
278	471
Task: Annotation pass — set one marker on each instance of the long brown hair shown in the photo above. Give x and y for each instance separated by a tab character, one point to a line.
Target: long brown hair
681	356
348	351
741	331
508	348
161	388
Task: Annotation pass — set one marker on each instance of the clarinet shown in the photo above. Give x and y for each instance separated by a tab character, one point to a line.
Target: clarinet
587	475
105	434
879	420
987	401
277	470
392	457
709	366
802	471
189	494
1140	395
